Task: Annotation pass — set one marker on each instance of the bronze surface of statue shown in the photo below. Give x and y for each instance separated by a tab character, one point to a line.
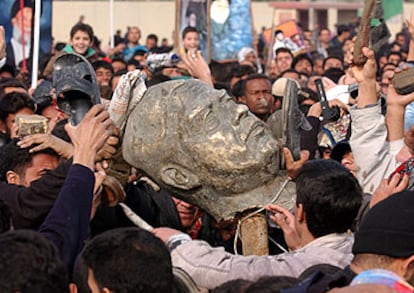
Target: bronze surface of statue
200	145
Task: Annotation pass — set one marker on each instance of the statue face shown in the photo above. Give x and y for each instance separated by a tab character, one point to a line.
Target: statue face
203	147
229	145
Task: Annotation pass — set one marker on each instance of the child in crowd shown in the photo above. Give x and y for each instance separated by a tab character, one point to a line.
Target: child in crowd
81	36
190	40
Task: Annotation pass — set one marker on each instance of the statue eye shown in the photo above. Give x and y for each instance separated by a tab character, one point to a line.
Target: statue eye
211	122
88	77
196	123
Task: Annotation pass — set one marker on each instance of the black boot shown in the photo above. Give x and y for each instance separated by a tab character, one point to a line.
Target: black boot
287	122
76	86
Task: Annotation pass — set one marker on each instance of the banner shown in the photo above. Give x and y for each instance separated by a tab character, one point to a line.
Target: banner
231	28
17	18
289	29
393	10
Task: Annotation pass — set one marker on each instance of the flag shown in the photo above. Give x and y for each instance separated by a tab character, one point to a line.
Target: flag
393	10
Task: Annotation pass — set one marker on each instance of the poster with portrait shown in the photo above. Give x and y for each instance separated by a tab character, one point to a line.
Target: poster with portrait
224	26
17	18
289	29
231	28
192	13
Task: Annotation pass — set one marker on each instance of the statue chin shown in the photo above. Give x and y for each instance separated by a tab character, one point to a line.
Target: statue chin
223	207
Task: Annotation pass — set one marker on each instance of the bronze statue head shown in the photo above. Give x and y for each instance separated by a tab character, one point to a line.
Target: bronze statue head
200	145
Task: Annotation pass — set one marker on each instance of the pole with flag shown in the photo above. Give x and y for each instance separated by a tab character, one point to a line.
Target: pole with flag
36	42
111	24
393	11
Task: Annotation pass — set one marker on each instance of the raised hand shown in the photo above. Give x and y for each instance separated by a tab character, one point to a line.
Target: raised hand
367	71
388	187
197	66
286	222
89	136
44	141
293	166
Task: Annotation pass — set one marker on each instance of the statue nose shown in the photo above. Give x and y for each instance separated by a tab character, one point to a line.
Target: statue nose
239	113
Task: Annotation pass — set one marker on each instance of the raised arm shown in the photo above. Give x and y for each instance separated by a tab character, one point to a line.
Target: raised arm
67	224
365	77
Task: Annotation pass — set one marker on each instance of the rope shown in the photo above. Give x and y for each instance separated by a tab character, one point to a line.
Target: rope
274	199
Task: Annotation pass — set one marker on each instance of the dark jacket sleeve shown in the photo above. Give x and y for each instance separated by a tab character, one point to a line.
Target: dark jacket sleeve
309	139
67	224
29	206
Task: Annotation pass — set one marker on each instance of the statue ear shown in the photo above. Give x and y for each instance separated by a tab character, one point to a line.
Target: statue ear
179	177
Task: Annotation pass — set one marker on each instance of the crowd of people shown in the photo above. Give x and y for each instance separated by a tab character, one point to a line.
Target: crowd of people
193	139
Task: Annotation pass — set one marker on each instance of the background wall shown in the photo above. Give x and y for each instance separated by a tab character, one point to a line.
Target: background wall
159	17
152	17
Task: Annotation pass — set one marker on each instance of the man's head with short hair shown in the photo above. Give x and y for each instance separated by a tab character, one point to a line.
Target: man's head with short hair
151	42
256	93
188	29
13	104
394	57
190	38
330	196
81	40
118	64
343	31
140	55
7	71
333	62
401	39
8	85
83	27
284	59
103	71
128	260
134	64
303	64
290	73
395	47
134	35
29	263
21	167
386	73
239	72
324	35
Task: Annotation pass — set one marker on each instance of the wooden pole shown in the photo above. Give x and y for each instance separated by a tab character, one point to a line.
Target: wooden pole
362	39
36	43
111	24
254	235
270	53
178	17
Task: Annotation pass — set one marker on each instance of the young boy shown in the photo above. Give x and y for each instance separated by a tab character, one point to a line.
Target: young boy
190	40
81	36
